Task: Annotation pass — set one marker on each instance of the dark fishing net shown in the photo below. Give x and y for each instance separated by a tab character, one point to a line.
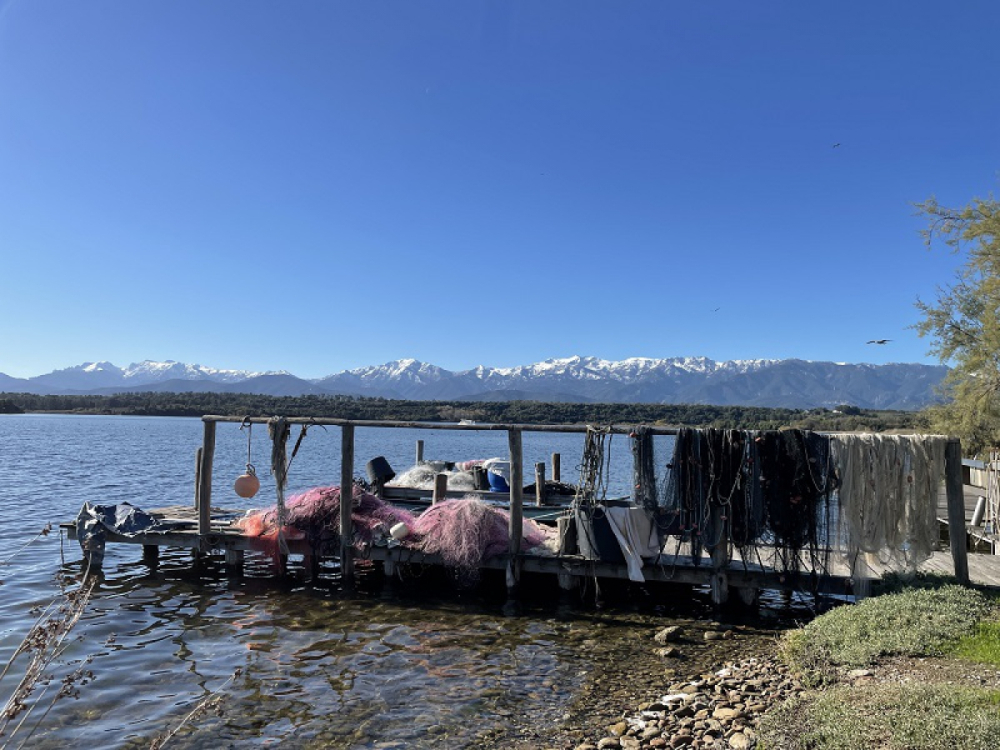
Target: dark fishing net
643	470
769	492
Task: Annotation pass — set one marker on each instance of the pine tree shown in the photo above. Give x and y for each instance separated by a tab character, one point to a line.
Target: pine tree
964	324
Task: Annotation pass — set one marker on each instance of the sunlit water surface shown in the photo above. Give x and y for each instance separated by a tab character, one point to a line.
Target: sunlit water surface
315	669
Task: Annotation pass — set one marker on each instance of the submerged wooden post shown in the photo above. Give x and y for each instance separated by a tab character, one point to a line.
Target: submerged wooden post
516	512
420	451
556	459
346	504
234	560
440	489
205	480
956	509
539	483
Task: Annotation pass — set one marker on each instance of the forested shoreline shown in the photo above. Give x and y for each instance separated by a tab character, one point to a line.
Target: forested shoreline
505	412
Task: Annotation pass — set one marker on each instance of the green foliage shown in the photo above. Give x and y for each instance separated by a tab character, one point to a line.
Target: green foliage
9	407
889	717
500	412
983	646
913	622
964	324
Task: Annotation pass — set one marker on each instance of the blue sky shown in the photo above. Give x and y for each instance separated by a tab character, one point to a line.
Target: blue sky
316	186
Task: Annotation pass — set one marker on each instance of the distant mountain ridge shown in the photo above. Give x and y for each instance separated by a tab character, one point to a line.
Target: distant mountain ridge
789	383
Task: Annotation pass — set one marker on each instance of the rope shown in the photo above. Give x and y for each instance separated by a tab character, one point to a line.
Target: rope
248	424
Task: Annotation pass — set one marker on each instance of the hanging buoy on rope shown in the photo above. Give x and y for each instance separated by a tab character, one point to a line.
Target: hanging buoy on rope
247	484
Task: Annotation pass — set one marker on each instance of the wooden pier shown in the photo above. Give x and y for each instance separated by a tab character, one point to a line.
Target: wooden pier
208	530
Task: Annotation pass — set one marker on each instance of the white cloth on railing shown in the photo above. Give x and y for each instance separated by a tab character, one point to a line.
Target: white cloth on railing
636	535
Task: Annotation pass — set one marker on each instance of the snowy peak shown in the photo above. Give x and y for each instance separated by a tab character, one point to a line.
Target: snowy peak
789	383
625	370
401	369
149	371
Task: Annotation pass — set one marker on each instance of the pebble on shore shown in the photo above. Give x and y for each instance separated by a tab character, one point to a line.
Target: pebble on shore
719	711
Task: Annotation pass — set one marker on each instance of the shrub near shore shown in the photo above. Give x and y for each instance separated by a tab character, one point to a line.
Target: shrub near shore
911	670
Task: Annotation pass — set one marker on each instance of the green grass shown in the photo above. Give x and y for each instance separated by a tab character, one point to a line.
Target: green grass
888	717
982	647
914	622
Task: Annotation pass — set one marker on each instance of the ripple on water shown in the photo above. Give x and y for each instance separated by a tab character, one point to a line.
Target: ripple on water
316	670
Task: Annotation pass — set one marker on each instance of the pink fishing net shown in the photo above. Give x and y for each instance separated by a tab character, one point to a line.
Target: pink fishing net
464	532
467	531
316	514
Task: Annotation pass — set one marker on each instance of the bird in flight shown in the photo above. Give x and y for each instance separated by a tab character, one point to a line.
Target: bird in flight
880	341
836	145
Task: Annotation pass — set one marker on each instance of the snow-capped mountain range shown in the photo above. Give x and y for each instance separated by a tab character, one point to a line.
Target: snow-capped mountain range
791	383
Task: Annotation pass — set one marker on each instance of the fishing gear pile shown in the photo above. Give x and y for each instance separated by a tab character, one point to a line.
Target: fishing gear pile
315	515
467	531
463	531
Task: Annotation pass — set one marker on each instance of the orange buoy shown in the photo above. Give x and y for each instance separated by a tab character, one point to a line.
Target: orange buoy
246	485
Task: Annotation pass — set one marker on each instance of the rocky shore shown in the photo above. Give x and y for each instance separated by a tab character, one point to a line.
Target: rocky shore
716	710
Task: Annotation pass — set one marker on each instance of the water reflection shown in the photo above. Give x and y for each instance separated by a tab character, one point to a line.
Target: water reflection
416	667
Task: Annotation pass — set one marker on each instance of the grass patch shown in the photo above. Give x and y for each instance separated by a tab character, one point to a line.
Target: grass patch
914	622
982	647
888	717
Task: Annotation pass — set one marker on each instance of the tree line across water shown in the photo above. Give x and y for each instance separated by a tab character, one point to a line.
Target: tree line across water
502	412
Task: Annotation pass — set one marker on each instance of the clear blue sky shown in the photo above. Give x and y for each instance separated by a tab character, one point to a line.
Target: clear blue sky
315	186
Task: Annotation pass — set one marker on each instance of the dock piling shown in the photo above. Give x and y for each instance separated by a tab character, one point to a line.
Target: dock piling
516	529
346	505
205	479
440	489
956	509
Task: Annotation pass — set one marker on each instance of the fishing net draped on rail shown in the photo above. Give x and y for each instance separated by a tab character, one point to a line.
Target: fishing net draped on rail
464	531
794	499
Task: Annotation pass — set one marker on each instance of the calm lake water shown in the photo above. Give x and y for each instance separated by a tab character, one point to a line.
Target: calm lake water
317	669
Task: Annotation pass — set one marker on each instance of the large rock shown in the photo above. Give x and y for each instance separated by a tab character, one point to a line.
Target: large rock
669	634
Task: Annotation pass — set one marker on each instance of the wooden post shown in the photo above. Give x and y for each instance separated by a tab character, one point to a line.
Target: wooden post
956	509
720	556
151	555
556	459
440	489
346	504
539	483
197	478
420	451
516	528
205	480
311	562
234	560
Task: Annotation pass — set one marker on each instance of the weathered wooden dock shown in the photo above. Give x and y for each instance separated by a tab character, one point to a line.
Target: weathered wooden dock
208	530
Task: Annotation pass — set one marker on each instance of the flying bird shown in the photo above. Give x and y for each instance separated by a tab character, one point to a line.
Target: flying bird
836	145
880	341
